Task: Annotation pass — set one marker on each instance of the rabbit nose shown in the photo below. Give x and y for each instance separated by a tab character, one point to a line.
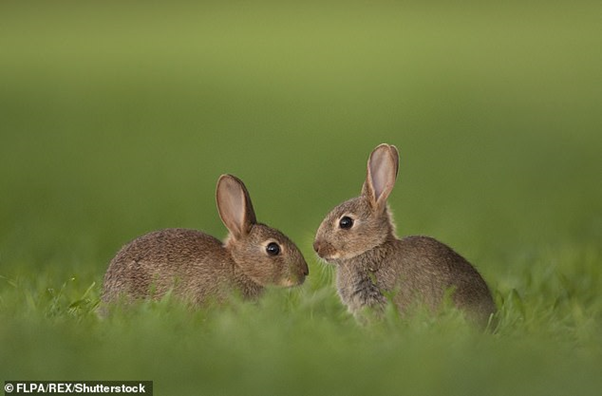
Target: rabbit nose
317	246
321	247
305	270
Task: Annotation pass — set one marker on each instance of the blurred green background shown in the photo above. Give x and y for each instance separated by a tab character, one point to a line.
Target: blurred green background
117	119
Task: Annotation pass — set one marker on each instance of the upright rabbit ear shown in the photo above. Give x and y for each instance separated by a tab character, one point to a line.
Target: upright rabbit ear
395	154
234	205
383	165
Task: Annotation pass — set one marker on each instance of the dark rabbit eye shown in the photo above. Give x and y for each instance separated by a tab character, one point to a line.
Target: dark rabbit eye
346	222
273	249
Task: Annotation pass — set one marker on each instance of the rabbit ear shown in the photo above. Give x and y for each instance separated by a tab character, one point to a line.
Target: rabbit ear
395	154
383	165
234	205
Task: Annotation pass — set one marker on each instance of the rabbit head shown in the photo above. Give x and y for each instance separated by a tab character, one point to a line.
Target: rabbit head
361	223
262	253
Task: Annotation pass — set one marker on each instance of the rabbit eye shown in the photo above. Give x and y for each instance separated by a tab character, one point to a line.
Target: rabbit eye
273	249
346	222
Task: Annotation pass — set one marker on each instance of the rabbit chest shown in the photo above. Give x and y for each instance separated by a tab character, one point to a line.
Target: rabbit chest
367	279
361	286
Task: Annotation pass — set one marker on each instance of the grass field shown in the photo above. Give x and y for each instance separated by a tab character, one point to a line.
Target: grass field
116	120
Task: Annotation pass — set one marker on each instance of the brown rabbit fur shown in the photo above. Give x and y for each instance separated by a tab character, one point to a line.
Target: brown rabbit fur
197	267
358	236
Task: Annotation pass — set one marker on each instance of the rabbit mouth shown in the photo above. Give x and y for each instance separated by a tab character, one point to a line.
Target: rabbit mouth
290	282
337	257
330	259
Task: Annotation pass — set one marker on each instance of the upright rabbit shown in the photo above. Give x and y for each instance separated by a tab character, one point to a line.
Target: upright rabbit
198	267
358	236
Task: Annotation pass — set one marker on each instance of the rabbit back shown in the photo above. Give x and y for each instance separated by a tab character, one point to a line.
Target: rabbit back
431	268
191	264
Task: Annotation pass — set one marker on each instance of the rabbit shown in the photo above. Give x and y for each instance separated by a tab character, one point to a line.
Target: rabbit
358	237
197	267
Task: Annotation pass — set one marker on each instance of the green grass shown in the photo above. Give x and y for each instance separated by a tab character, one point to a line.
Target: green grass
117	120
